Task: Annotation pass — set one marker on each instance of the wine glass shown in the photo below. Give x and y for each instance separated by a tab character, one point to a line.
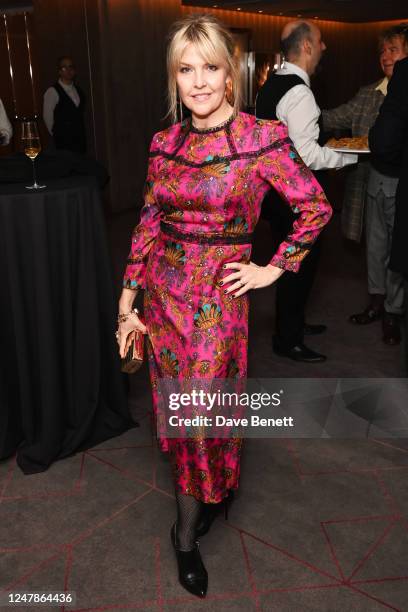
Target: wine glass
32	147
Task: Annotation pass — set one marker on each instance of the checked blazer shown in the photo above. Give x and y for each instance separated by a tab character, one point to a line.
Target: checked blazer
357	115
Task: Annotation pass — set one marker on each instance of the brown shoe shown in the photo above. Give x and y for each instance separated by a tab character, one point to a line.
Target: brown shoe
391	329
369	315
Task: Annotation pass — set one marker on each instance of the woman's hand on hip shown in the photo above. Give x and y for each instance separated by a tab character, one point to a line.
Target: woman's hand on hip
249	276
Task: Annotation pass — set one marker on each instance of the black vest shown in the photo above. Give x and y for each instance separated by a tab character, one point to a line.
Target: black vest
69	129
272	91
268	98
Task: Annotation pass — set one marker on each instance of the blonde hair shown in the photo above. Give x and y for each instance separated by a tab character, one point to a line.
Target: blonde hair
214	42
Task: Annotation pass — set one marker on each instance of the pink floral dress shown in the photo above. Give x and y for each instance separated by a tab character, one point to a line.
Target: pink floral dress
203	197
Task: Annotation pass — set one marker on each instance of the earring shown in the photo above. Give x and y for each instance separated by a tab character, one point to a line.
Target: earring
229	93
181	110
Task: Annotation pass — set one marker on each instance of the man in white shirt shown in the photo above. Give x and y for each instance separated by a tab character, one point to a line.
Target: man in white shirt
287	96
6	131
63	110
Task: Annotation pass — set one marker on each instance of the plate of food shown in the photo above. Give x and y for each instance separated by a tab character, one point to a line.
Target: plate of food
357	144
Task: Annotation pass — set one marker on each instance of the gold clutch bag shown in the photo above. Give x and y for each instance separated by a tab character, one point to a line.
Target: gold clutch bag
134	356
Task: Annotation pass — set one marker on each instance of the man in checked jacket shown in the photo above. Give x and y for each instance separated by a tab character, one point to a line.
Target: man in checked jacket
373	188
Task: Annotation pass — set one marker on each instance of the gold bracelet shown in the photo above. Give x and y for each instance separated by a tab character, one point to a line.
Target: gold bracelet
123	317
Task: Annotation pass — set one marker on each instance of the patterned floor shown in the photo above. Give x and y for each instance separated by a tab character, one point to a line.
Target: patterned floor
319	525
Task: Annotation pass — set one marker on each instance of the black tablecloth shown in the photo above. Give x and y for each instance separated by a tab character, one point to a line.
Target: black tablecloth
61	389
50	165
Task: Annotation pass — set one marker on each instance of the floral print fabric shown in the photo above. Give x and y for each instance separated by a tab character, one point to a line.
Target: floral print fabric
211	183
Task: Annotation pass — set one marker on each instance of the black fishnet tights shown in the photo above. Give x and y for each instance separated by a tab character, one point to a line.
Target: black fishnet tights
188	513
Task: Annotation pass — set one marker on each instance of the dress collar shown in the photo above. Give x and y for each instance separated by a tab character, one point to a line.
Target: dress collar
215	128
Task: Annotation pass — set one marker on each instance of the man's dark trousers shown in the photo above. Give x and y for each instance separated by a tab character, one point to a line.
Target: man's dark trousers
292	288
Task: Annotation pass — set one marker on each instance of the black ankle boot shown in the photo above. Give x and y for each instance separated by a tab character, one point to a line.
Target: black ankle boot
192	573
210	512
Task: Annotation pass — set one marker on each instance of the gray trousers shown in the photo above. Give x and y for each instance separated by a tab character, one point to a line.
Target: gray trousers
380	212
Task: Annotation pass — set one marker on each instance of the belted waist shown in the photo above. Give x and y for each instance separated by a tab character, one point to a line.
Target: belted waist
201	238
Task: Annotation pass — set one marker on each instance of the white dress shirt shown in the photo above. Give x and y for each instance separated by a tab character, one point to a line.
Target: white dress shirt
51	99
298	110
6	130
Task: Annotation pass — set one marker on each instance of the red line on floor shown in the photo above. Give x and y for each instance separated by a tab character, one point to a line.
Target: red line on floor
23	549
250	574
362	519
70	493
131	606
108	519
332	552
81	472
386	494
129	475
173	600
31	572
295	458
68	567
229	597
379	580
125	473
216	597
372	550
306	587
74	490
389	445
158	574
377	599
286	553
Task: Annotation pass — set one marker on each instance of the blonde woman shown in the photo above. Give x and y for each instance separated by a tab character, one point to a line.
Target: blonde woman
191	252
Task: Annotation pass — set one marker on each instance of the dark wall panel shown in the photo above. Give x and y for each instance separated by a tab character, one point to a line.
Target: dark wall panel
119	49
19	76
351	59
133	36
6	90
61	29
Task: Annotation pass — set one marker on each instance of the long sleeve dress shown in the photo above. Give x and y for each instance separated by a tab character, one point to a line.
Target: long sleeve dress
203	197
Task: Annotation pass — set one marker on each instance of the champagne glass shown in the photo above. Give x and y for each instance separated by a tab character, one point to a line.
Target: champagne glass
32	147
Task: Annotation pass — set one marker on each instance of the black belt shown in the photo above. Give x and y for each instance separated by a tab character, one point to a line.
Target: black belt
172	231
